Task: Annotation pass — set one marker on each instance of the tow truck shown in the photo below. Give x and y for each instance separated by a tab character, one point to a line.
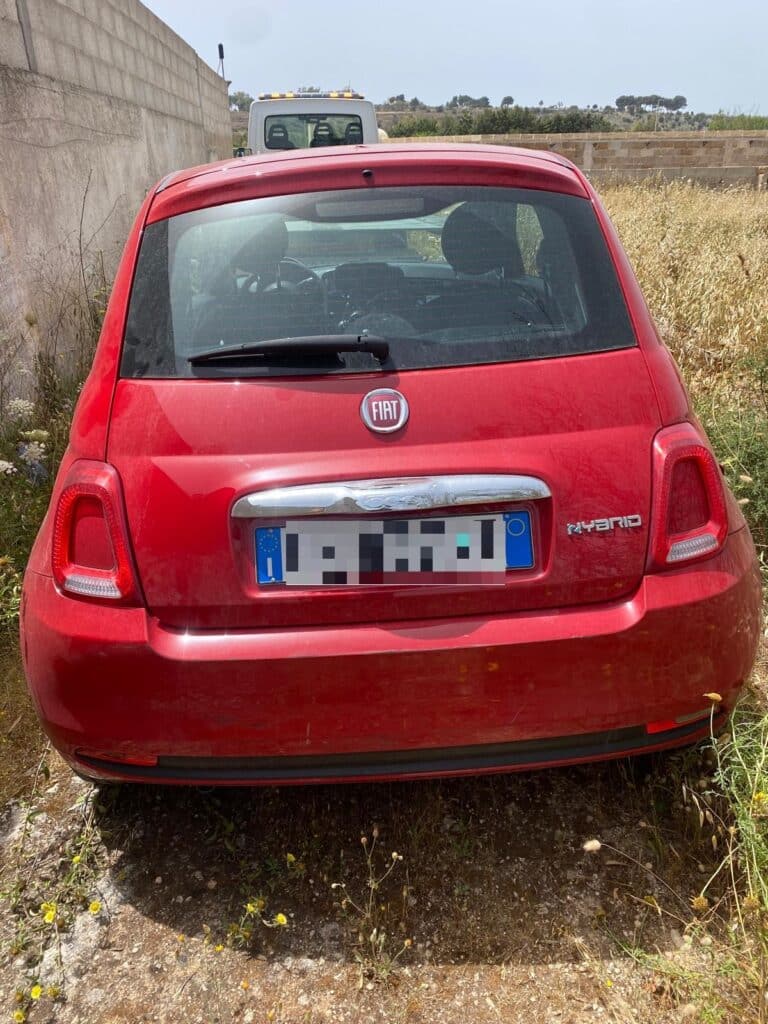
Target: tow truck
309	120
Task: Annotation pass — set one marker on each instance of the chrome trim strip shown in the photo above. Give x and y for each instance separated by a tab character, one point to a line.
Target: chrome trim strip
389	494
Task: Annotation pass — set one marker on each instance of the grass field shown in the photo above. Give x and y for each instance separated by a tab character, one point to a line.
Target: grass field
494	895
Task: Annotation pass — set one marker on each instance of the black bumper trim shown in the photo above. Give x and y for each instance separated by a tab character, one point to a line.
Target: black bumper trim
585	746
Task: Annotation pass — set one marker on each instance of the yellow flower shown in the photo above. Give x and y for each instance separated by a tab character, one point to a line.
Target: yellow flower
35	992
700	903
281	920
608	983
76	859
250	908
290	859
218	947
760	797
48	910
244	985
94	906
19	1016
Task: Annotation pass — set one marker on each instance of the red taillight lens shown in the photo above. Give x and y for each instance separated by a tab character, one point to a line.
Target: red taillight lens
690	518
91	554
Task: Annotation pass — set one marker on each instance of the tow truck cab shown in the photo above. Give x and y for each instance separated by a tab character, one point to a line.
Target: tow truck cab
295	120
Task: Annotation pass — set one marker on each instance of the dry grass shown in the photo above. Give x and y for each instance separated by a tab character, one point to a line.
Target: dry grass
702	260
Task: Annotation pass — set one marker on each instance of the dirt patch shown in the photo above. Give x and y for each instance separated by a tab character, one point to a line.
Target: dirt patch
494	913
21	742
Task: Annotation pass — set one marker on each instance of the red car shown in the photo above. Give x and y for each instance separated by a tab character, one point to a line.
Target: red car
382	471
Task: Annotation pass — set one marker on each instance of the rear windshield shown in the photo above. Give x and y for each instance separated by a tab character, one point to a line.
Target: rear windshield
453	276
308	131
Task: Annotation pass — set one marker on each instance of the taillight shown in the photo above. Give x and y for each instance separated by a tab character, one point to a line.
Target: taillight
690	517
91	554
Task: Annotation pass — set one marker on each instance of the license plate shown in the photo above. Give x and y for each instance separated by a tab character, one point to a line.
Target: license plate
352	552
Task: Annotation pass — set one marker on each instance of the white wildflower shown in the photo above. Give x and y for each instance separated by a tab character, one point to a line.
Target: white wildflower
20	409
591	846
6	468
35	435
32	452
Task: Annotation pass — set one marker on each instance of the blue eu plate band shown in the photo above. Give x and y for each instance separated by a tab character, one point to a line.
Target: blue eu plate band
269	555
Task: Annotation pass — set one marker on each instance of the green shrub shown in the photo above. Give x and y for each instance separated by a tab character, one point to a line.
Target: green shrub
502	121
738	122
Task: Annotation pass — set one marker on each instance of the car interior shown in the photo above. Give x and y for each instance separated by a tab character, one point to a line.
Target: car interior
480	284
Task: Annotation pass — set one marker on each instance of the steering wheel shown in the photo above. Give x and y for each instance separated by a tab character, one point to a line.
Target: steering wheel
298	274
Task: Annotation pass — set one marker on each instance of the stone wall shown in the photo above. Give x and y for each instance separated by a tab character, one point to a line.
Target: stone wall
98	100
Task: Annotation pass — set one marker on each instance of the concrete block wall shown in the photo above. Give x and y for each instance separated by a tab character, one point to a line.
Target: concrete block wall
96	96
709	157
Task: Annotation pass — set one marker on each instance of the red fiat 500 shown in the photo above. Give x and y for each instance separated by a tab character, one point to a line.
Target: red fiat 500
382	471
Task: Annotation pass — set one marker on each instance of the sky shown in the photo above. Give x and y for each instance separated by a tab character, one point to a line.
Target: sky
711	52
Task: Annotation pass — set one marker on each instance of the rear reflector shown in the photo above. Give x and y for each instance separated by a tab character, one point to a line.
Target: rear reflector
681	550
91	586
91	555
142	760
667	724
690	517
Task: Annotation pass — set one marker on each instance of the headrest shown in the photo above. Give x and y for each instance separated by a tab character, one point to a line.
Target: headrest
353	134
323	134
276	136
265	248
473	244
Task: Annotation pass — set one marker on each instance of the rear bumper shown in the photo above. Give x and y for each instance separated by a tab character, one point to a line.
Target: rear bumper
409	764
123	697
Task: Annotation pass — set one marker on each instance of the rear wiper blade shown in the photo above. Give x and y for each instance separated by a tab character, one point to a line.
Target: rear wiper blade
311	343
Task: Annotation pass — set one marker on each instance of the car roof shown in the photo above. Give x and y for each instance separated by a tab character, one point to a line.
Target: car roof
308	170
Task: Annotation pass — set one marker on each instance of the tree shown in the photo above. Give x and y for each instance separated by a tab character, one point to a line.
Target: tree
240	100
508	101
636	103
463	102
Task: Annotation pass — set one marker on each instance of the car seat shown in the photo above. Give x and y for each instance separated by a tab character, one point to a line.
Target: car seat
242	309
323	135
277	137
353	134
476	247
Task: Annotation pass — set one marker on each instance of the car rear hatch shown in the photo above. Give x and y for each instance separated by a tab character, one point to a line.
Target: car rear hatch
521	478
188	450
